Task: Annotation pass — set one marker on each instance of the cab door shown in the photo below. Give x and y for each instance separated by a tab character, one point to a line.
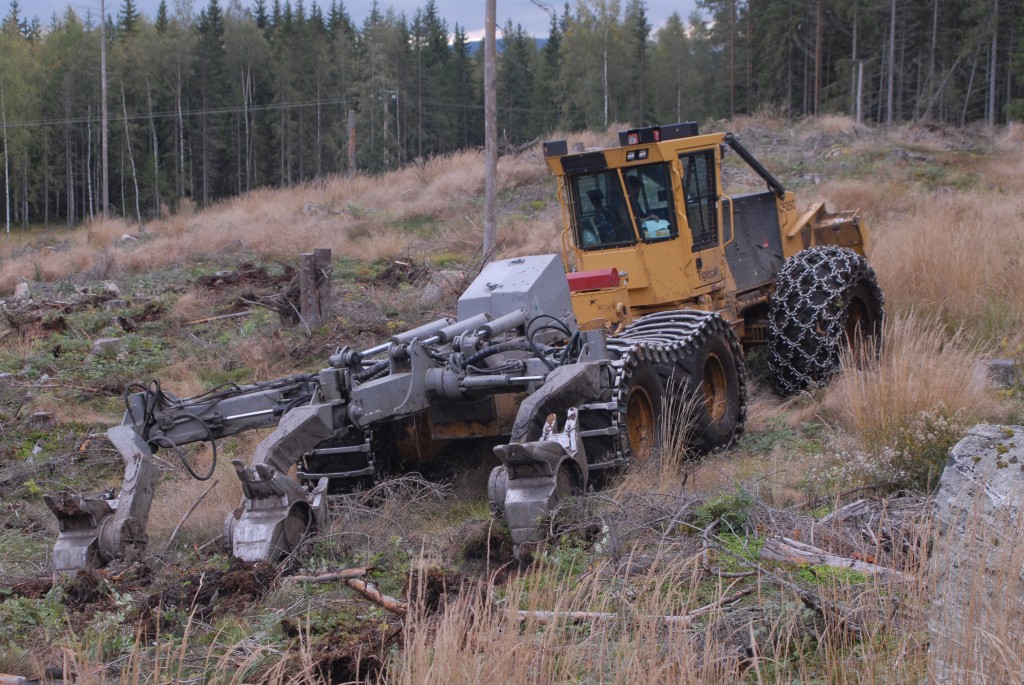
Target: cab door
701	206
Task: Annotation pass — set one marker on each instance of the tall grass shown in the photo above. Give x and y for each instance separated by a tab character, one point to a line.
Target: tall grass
920	369
901	410
960	256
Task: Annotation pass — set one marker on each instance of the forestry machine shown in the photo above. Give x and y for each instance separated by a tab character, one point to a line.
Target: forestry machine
566	366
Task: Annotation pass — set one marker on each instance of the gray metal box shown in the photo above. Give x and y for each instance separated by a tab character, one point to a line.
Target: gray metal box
536	283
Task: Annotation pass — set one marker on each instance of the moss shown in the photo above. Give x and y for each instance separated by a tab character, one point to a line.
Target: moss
732	508
820	574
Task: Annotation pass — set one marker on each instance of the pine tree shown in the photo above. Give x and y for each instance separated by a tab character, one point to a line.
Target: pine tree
259	12
516	74
211	85
128	18
637	39
544	114
162	20
468	93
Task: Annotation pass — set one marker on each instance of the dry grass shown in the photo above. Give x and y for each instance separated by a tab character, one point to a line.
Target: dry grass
176	494
959	256
921	369
893	417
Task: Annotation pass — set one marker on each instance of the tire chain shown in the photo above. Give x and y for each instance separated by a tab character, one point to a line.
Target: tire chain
664	338
806	326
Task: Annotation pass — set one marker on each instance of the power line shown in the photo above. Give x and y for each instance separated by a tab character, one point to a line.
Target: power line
239	109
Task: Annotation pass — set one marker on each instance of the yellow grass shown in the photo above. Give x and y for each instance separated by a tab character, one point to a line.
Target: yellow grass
921	369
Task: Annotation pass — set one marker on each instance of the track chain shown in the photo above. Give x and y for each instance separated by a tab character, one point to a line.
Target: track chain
665	340
807	317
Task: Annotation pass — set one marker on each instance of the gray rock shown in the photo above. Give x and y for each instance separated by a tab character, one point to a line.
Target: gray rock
106	347
977	562
21	291
1000	373
112	289
442	284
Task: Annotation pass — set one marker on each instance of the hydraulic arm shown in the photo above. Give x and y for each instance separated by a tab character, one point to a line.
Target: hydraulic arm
515	329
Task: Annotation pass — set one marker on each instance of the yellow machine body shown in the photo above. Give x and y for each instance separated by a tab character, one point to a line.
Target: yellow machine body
654	210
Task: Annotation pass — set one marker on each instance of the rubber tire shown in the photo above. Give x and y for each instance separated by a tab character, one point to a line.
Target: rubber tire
705	431
815	291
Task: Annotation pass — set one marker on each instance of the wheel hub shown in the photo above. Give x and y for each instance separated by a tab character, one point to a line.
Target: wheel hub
640	423
715	387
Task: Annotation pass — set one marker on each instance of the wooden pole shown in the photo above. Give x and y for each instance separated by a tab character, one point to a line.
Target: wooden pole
103	106
490	132
351	143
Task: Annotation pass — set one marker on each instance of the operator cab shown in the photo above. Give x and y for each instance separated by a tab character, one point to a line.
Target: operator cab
649	209
613	209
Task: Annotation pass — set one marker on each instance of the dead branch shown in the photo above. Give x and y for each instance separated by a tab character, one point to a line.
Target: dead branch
851	510
787	550
233	315
371	593
188	513
344	574
825	499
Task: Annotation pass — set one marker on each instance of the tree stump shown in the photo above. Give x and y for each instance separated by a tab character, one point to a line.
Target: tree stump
315	287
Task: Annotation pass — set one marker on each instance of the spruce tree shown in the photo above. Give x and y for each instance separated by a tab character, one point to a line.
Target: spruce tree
162	20
128	18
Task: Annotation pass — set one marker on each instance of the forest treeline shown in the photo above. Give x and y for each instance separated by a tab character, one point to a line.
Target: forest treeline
210	103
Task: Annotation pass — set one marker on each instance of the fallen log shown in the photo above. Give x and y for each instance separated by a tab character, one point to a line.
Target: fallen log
393	605
792	551
352	578
344	574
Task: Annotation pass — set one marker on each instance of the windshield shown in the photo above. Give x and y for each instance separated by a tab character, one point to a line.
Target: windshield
604	215
651	202
601	216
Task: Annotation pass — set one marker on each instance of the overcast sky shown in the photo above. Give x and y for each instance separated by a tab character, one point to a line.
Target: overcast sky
467	13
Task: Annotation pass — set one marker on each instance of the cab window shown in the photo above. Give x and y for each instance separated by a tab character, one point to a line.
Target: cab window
601	215
650	200
701	195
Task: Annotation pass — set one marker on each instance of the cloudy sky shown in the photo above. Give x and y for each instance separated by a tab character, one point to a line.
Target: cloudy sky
468	13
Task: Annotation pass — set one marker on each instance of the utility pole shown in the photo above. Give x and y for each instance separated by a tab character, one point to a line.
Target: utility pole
103	106
351	143
490	132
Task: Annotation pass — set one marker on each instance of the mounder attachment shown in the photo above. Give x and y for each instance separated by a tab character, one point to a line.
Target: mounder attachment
276	514
95	530
536	476
277	511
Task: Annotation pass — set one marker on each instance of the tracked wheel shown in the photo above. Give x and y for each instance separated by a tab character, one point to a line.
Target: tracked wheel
676	373
825	298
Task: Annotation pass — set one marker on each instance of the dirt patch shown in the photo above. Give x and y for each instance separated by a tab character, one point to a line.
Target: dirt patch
199	591
355	656
431	590
398	272
346	650
29	588
87	588
255	275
